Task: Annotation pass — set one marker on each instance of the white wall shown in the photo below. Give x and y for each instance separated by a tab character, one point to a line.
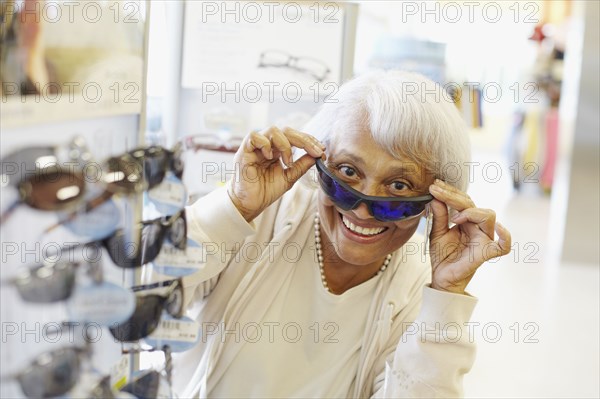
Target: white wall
581	232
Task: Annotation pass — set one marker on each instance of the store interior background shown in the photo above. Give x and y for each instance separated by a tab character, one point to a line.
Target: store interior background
543	298
538	315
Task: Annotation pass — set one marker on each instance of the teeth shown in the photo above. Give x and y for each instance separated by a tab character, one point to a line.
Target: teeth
361	230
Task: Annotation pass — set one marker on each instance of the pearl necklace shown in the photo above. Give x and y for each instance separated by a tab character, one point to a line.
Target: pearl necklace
386	262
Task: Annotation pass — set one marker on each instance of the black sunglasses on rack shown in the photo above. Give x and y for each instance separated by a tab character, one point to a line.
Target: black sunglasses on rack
129	254
131	173
142	168
148	310
153	234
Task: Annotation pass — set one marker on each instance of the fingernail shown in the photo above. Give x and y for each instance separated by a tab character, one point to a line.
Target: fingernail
318	149
270	154
456	217
435	188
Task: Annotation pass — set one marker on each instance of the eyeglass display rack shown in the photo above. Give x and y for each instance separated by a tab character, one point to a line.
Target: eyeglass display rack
57	305
31	329
76	316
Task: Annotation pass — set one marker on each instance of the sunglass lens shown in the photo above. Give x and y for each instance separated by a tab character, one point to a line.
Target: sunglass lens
338	194
153	236
124	174
102	390
143	322
52	374
154	160
178	232
17	165
52	190
47	284
144	386
175	302
389	211
128	254
177	161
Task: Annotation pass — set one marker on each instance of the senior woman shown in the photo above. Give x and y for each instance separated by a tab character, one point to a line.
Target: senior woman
320	290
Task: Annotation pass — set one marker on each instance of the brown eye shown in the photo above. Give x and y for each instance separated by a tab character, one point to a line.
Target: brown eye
399	186
347	171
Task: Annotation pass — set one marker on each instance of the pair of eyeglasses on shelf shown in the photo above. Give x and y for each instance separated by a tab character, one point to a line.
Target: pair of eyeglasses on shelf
131	173
51	373
45	183
51	282
47	178
142	168
127	253
148	310
56	188
308	65
212	142
55	373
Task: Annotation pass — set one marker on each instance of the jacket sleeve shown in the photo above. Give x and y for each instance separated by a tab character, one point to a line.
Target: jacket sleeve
434	351
215	223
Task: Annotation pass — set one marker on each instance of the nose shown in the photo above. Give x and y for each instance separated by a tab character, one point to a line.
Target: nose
362	212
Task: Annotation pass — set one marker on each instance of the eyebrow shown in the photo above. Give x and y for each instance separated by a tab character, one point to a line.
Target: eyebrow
353	158
407	168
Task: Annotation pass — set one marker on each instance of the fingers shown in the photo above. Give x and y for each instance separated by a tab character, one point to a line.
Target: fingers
274	143
504	243
484	219
305	141
299	168
501	247
451	196
440	219
281	144
472	219
256	141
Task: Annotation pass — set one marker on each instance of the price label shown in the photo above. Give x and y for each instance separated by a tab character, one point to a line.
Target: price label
105	303
169	196
179	334
96	224
175	262
119	373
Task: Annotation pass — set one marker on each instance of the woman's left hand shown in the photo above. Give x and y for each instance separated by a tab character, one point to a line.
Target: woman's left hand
457	252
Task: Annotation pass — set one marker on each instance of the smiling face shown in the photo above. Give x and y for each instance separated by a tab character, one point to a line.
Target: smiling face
358	238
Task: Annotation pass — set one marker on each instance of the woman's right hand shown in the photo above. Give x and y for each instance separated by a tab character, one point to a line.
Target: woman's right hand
260	177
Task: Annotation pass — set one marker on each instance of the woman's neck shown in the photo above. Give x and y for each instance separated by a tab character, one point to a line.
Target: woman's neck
341	275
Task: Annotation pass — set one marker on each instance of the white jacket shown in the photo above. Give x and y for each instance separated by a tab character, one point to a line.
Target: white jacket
428	361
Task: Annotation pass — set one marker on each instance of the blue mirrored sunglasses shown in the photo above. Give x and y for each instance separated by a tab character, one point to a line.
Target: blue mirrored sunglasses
384	209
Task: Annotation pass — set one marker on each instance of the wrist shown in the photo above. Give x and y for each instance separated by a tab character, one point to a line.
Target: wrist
246	214
453	289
